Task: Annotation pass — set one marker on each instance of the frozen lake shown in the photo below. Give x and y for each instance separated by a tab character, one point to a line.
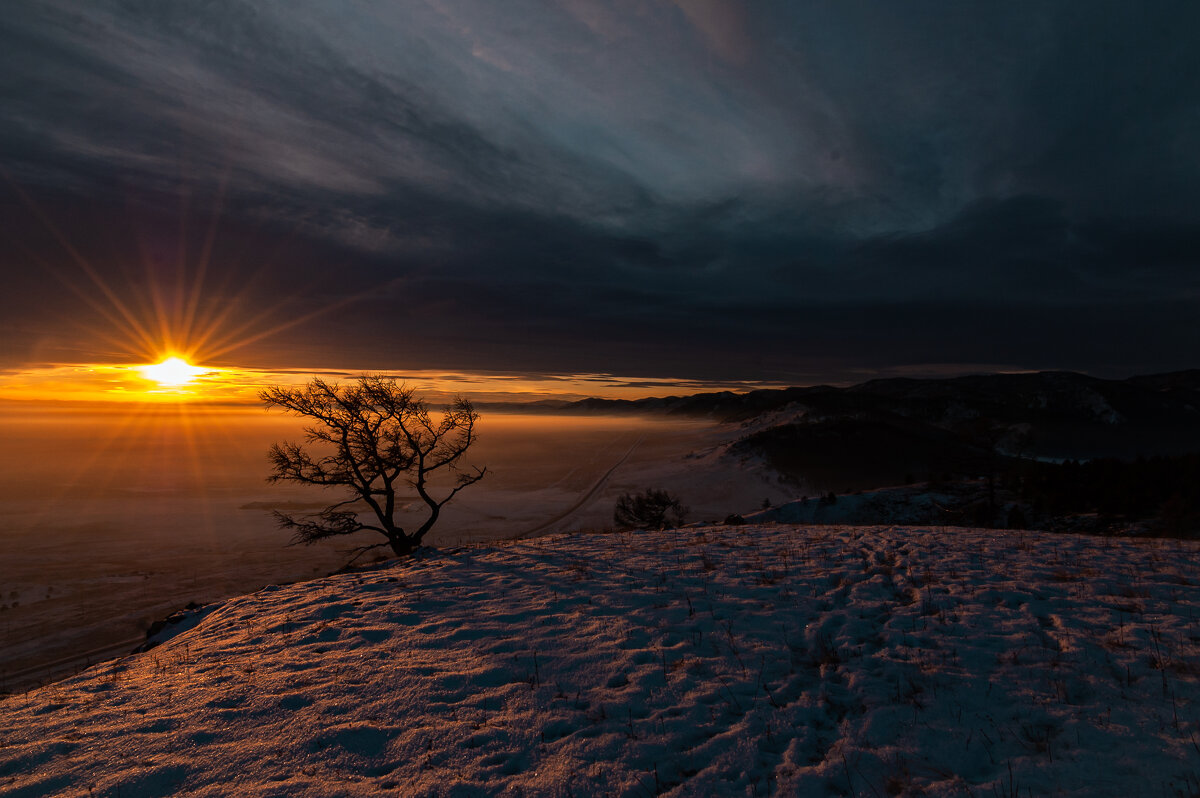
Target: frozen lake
111	520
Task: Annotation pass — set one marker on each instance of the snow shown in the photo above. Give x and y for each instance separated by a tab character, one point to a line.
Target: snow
753	660
905	504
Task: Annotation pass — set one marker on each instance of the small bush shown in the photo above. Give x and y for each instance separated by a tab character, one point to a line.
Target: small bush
651	509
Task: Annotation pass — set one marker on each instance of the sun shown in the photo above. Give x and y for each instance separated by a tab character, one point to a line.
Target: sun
172	371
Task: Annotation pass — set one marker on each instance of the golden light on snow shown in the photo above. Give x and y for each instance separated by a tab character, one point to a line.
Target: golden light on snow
173	371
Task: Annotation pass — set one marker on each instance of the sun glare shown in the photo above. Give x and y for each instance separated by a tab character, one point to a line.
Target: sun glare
172	371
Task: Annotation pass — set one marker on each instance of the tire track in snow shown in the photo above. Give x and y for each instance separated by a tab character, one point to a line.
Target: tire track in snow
592	491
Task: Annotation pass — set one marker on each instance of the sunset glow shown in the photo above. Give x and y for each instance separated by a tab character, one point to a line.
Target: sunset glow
172	371
180	381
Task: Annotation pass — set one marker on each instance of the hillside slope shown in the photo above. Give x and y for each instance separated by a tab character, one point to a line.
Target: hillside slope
750	660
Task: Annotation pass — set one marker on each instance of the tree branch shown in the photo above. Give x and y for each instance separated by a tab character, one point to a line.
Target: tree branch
464	480
360	551
326	524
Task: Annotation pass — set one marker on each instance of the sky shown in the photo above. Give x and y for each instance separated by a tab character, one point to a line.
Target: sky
697	190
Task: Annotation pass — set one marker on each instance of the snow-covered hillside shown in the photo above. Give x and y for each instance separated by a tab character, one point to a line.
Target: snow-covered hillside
753	660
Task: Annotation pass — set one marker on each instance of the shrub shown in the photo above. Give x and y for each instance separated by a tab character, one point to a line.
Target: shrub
651	509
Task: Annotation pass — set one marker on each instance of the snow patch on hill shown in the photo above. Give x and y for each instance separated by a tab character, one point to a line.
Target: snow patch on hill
748	660
898	505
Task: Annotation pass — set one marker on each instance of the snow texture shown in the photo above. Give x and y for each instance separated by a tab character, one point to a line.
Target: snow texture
753	660
899	505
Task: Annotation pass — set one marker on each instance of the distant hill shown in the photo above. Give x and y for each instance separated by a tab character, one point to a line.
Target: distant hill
953	422
537	406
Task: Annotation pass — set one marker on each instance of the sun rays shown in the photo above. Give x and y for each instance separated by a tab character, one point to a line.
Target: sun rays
170	297
168	314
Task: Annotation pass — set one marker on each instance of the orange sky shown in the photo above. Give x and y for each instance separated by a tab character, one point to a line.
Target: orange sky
117	383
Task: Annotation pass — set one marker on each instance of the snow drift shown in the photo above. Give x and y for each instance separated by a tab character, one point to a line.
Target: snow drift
752	660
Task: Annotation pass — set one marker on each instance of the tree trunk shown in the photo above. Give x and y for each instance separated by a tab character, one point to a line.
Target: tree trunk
402	545
434	511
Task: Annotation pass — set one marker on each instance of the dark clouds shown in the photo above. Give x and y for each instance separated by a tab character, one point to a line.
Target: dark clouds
710	189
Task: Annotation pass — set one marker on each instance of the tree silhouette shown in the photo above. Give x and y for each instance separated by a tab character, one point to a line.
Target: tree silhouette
369	437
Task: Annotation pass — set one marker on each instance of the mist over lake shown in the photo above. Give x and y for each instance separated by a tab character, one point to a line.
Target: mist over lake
112	520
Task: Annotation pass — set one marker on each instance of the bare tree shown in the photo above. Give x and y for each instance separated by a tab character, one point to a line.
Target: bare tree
368	438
